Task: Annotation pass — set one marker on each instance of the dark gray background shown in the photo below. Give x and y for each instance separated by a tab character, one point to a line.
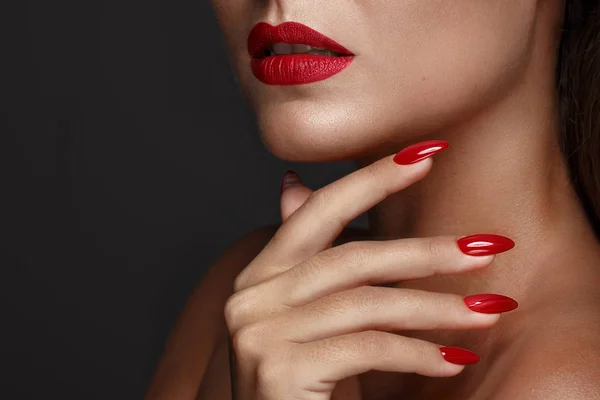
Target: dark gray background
133	161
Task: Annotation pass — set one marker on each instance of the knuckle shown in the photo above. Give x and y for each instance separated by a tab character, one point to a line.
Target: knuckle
246	278
328	306
315	264
375	169
367	298
319	198
236	307
363	299
240	282
248	341
343	255
347	258
355	252
424	352
319	203
375	173
231	311
439	248
414	302
374	345
371	171
271	373
434	247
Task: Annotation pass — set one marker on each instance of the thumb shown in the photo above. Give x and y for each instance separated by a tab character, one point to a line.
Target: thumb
293	194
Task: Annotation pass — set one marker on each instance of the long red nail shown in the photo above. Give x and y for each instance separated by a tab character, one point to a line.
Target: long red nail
290	178
419	151
490	303
483	245
456	355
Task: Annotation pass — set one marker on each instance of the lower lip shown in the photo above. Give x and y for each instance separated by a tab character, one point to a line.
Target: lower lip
297	69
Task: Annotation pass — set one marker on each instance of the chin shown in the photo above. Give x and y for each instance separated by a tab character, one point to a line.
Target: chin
312	131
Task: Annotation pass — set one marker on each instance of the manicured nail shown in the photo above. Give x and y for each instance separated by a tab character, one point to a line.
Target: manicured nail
456	355
419	151
290	178
490	303
484	245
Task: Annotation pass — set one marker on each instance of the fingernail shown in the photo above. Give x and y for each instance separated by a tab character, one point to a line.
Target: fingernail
419	151
290	178
490	303
456	355
483	245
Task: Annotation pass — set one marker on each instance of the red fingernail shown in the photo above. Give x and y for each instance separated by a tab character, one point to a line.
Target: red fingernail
419	151
483	245
490	303
456	355
290	178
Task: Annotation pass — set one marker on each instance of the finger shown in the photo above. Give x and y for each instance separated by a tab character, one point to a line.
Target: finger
379	308
322	217
339	357
360	263
366	263
293	194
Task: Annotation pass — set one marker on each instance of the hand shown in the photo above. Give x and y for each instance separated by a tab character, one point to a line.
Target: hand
304	315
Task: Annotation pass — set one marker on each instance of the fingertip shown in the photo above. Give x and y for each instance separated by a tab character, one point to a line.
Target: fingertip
418	170
425	164
482	320
476	262
420	151
458	356
453	369
292	198
445	369
290	178
484	244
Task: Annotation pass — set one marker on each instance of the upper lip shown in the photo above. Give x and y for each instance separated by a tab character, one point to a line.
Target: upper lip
264	35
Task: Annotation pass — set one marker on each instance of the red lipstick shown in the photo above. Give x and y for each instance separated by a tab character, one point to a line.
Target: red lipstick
300	64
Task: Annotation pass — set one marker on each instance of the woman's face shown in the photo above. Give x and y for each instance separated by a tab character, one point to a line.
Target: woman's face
417	65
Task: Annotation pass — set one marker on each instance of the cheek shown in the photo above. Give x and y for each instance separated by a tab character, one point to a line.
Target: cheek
439	59
421	64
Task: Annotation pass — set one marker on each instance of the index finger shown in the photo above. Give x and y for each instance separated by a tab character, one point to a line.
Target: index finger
320	220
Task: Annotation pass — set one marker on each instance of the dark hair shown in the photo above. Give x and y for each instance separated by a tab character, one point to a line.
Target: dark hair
579	94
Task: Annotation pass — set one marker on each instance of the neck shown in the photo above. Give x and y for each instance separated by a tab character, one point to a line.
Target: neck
504	174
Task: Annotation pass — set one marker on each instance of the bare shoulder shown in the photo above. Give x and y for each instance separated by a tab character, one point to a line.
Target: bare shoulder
559	359
201	327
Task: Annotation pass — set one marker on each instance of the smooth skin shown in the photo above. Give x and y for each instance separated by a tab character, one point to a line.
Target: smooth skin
303	318
478	74
309	320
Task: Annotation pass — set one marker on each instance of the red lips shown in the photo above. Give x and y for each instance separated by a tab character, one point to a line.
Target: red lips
294	69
